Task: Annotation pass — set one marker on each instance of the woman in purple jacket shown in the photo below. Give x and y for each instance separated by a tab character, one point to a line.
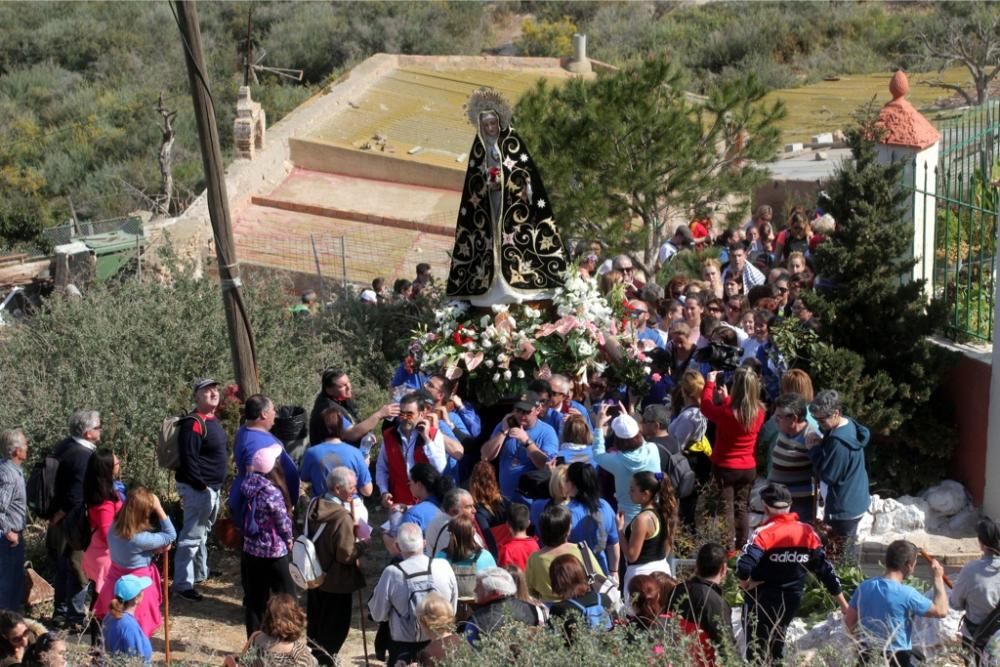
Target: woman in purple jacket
267	535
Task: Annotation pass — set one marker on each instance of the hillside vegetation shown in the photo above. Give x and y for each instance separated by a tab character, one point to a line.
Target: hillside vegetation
79	82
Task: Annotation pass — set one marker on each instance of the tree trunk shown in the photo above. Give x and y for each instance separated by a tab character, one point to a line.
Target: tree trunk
166	159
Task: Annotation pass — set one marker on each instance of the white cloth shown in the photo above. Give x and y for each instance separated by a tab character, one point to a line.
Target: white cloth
667	252
751	276
661	565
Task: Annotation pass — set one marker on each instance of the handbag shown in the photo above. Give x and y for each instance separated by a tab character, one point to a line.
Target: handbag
36	589
599	582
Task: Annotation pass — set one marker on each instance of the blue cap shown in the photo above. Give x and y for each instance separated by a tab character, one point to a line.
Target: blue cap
130	586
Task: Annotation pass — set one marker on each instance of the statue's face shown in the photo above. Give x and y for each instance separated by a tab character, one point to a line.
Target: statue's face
489	125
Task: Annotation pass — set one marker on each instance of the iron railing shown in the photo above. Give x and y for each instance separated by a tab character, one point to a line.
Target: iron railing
956	202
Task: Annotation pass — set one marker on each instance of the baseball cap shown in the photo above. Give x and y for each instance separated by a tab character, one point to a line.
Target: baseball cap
129	586
685	232
624	427
202	383
368	296
529	401
263	459
776	496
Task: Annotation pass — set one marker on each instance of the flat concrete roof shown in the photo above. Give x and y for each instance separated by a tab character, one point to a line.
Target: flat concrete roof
803	166
419	107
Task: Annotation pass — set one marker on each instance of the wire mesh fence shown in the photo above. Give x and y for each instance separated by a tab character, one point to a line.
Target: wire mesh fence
353	260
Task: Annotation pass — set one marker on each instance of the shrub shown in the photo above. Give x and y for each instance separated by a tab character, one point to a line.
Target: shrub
131	351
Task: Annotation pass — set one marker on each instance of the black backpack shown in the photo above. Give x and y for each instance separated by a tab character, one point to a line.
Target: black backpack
680	473
41	487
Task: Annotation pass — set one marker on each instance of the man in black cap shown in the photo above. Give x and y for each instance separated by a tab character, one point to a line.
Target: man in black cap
202	449
523	442
772	572
977	590
682	239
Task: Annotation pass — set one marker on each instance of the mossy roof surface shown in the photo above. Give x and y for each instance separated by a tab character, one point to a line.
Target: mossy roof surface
412	107
829	105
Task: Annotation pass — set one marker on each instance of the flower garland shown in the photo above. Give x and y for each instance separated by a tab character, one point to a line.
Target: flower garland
500	351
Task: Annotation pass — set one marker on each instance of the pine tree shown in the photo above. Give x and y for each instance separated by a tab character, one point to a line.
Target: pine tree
869	305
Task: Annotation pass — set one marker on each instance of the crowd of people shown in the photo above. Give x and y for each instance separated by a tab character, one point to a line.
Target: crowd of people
563	513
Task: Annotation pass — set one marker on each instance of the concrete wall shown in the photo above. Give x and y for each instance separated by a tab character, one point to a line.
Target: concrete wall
967	385
322	156
783	194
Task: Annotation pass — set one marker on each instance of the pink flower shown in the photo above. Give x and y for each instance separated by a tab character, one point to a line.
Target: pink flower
525	349
453	372
472	360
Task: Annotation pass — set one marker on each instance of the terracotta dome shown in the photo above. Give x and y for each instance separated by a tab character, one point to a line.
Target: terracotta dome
904	125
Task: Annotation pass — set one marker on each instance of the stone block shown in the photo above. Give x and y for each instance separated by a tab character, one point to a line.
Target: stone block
793	148
822	139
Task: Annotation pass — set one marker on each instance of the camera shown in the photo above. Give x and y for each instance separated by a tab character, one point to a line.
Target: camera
719	356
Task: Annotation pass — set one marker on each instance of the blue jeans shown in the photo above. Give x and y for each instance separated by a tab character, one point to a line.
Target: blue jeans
12	581
201	509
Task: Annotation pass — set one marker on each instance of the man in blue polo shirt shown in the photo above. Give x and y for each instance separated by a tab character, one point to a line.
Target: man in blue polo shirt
881	610
321	458
523	442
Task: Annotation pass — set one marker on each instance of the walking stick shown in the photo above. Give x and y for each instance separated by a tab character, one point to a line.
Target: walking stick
361	605
166	607
930	559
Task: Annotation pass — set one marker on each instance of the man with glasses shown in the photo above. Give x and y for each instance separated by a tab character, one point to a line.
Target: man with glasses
838	456
523	442
558	397
639	312
73	454
633	286
413	437
337	392
789	462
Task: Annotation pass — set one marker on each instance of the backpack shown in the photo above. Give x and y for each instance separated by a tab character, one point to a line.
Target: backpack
465	577
41	488
304	568
418	584
595	615
76	527
681	475
167	453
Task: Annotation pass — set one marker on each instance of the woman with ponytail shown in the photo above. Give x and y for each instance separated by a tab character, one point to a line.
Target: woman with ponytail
122	634
738	419
649	538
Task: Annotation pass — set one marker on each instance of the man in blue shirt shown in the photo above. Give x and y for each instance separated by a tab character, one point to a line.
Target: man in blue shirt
320	459
523	442
881	610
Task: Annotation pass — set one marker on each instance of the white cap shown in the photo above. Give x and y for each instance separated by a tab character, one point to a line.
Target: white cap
624	427
368	296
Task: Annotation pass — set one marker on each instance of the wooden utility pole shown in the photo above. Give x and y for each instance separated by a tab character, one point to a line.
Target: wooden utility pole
240	336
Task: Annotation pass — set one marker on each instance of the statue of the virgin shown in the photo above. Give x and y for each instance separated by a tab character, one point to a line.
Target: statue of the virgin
507	248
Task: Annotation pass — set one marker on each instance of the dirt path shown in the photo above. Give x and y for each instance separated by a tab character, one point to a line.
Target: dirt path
203	633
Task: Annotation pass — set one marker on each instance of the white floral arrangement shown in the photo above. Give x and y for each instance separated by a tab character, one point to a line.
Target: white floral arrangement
500	351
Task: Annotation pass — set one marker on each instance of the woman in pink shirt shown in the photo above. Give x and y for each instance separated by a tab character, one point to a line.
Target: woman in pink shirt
103	502
738	419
